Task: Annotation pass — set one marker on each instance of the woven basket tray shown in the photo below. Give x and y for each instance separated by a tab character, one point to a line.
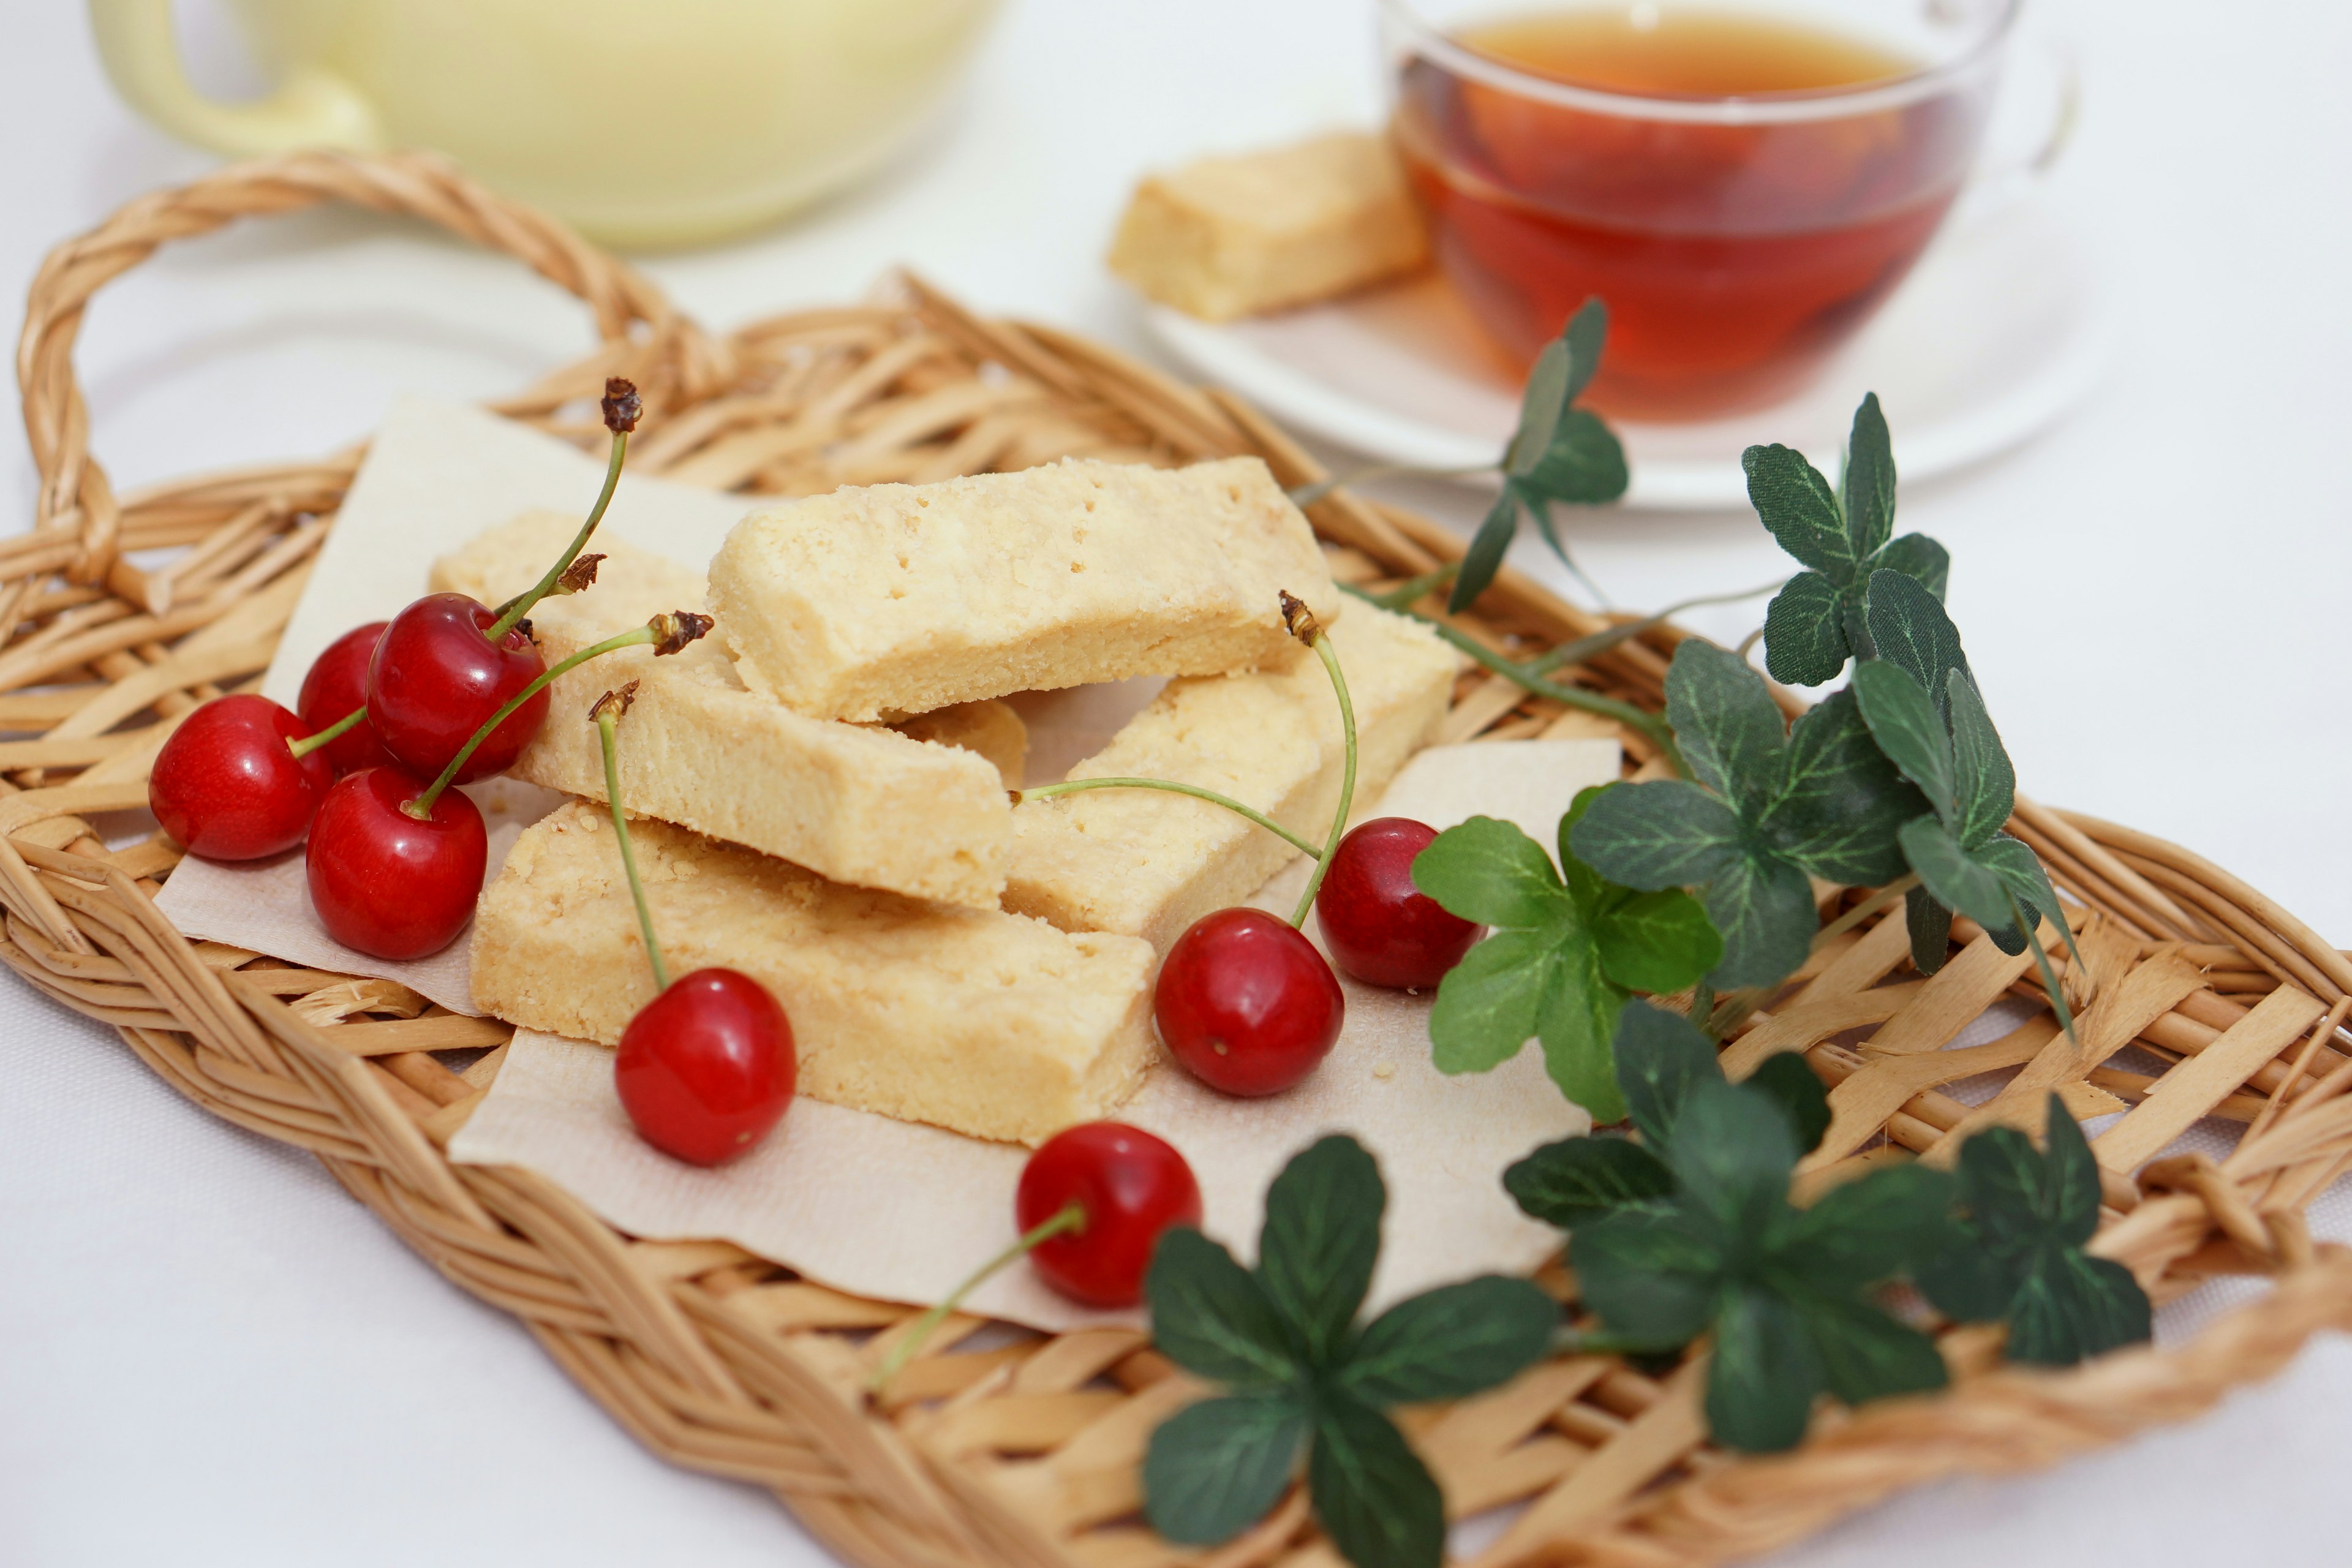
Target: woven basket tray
1025	1452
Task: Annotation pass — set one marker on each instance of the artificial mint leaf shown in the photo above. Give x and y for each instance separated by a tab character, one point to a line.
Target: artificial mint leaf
1797	505
1586	332
2072	1306
1766	1371
1649	1272
1953	876
1575	1019
1321	1238
1487	548
1871	1228
1930	926
1797	1090
1558	453
1211	1316
1764	909
1918	556
1904	721
1451	1343
1866	490
1730	730
1490	872
1584	463
1732	1155
1373	1495
1541	403
1842	801
1909	629
1866	1354
2020	870
1985	784
1579	1180
1662	1059
1658	941
1667	833
1214	1468
1804	631
1487	1005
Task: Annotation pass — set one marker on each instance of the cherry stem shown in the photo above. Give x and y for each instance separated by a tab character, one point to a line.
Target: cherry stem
1075	786
332	732
422	806
1321	643
1067	1220
516	608
605	724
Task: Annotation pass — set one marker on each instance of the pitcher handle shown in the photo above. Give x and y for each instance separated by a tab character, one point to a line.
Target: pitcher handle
311	109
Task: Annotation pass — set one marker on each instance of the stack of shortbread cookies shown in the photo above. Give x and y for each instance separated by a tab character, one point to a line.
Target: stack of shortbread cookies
825	778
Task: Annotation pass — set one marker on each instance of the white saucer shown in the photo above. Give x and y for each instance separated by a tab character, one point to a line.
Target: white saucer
1995	335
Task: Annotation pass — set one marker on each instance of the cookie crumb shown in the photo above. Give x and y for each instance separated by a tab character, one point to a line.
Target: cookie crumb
1383	1072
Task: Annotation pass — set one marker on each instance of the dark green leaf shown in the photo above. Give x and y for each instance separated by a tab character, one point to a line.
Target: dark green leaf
1591	890
1487	547
1211	1316
1662	1058
1843	802
1583	464
1985	785
1909	629
1967	1280
1766	1372
1930	924
2019	871
1586	332
2018	1196
1545	398
1659	943
1649	1273
1451	1343
2072	1306
1904	721
1214	1468
1796	504
1952	875
1579	1180
1866	490
1575	1019
1764	909
1491	873
1797	1090
1871	1228
1729	728
1732	1155
1866	1354
1322	1238
1487	1005
1667	833
1373	1495
1920	557
1804	631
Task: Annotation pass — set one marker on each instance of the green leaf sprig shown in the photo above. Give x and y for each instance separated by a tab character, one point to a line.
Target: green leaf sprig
1566	953
1816	622
1691	1232
2018	1258
1766	806
1303	1379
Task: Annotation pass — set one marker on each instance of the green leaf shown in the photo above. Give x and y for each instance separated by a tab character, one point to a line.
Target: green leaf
1373	1495
1729	728
1797	1090
1766	1371
1649	1273
1541	403
1804	631
1321	1238
1909	629
1967	1280
1732	1155
1575	1020
2020	870
1667	833
1662	1058
1487	1005
1930	926
1984	784
2072	1306
1873	1229
1904	721
1764	909
1919	557
1586	332
1490	872
1451	1343
1214	1468
1487	547
1797	505
1579	1180
1211	1316
1657	941
1866	488
1865	1354
1953	875
1843	802
1583	464
1592	891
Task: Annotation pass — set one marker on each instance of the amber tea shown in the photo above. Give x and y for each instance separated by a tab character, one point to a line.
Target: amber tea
1735	249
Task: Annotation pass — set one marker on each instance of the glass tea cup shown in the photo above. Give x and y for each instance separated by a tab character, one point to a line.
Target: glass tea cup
1740	230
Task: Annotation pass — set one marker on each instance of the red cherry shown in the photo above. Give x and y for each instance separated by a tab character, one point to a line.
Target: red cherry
383	882
1246	1003
227	786
437	679
1133	1187
1381	928
706	1070
337	684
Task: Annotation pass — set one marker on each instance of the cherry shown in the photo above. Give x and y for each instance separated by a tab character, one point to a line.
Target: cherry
337	684
388	884
1381	928
706	1068
1128	1188
437	679
1246	1003
227	786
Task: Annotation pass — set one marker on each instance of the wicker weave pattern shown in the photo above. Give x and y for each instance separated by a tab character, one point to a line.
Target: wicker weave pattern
1025	1454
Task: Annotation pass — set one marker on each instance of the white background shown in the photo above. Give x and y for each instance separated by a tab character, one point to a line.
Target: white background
207	1350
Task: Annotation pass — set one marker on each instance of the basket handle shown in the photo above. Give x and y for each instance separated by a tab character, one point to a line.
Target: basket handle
670	357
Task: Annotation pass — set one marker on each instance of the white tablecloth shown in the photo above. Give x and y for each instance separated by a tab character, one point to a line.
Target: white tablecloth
206	1351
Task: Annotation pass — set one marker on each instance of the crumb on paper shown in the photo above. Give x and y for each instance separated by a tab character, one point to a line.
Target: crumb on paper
1384	1070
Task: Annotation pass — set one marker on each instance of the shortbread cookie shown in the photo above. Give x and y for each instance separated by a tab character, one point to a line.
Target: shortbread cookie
1228	238
904	598
866	805
1148	863
988	1024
